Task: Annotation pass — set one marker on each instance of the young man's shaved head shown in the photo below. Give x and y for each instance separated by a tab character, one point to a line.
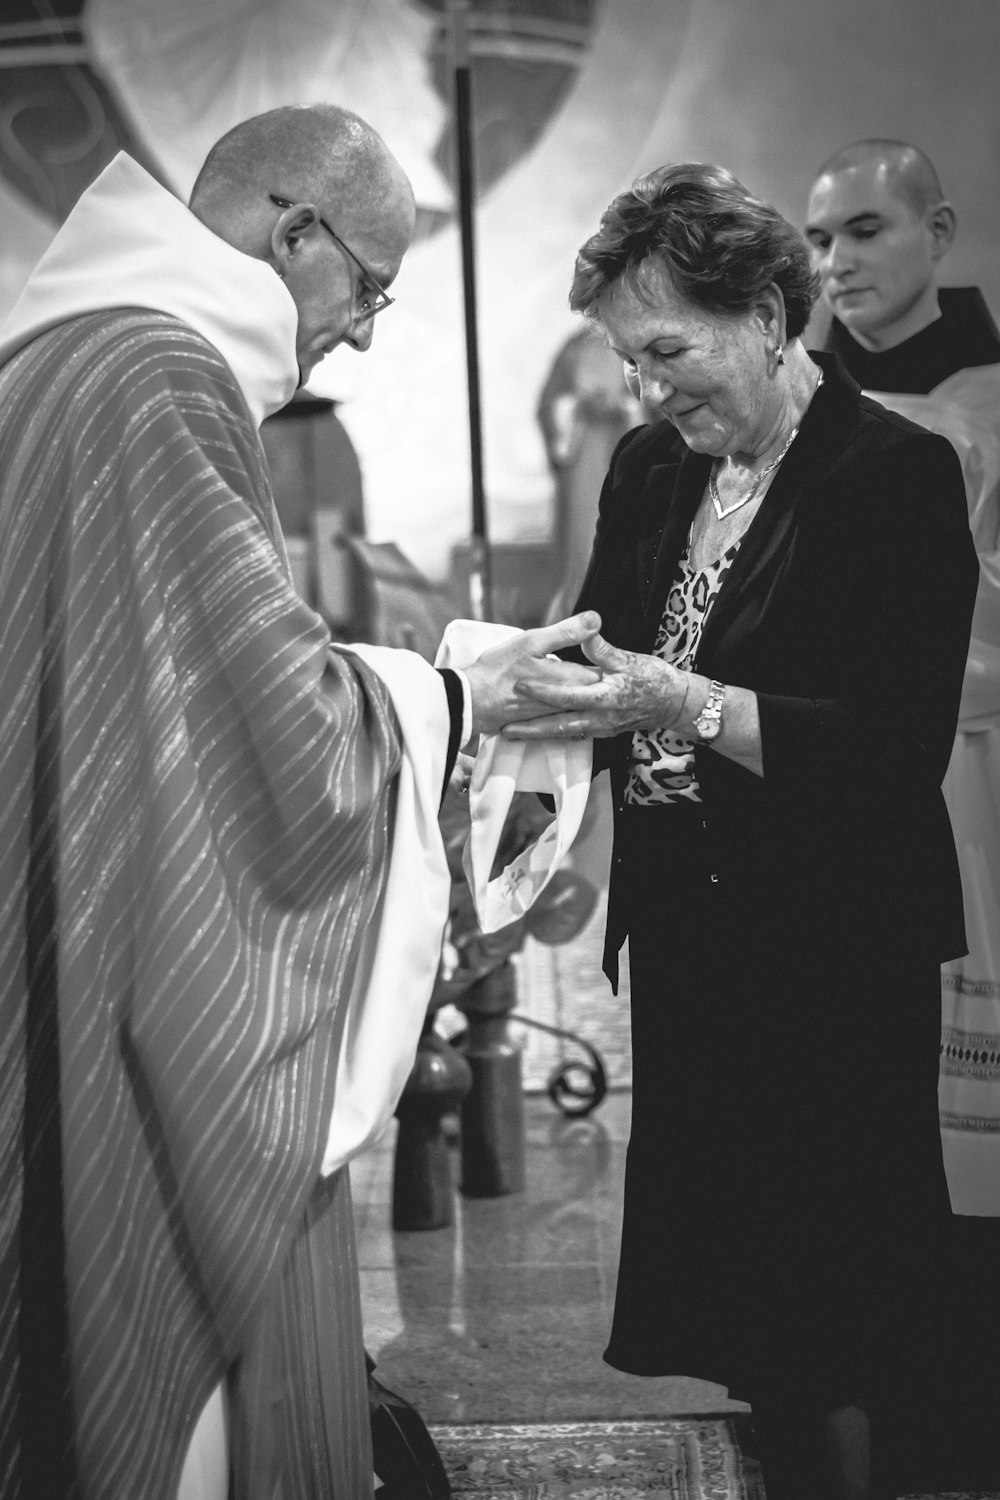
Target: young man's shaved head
879	225
907	170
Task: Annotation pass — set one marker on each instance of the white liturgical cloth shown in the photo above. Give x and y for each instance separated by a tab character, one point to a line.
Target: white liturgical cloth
561	768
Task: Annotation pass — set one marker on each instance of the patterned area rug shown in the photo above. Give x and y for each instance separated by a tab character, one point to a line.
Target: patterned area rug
680	1458
677	1458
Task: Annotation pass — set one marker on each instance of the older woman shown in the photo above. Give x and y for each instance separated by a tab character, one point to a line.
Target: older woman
785	578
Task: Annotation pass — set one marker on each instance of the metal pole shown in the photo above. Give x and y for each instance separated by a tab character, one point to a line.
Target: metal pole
480	578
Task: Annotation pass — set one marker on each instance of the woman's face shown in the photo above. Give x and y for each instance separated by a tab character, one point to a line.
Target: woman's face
707	374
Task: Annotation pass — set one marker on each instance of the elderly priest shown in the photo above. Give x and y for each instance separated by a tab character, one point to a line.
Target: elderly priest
223	885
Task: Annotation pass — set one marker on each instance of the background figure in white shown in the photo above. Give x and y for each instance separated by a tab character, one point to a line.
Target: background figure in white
880	227
584	410
966	409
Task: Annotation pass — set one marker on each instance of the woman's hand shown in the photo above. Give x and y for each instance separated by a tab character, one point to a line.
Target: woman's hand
634	692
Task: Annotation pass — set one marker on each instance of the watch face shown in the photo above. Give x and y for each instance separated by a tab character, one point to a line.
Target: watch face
707	728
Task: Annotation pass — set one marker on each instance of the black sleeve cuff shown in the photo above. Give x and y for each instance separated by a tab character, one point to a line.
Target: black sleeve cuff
456	706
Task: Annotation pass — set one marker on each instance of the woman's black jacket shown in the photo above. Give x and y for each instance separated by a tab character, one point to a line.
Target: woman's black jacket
848	612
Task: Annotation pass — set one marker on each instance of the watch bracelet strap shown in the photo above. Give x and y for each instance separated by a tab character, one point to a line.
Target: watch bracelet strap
712	709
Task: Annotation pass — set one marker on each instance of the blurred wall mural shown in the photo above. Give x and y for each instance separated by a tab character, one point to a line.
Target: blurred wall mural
572	99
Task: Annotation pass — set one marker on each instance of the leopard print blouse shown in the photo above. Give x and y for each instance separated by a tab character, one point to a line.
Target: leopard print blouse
663	762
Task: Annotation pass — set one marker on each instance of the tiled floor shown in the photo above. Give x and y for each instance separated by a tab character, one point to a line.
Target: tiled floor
503	1315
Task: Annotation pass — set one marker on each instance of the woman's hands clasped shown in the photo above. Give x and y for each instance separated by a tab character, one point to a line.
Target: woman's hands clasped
632	692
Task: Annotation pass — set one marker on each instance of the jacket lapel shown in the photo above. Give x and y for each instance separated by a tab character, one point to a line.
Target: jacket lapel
657	572
746	587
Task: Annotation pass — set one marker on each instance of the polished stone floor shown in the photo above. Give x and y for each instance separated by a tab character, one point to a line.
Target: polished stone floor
502	1316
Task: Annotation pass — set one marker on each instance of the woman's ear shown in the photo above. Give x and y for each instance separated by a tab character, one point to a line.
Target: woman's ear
770	311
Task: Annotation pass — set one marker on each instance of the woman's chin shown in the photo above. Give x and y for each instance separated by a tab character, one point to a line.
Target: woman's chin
703	439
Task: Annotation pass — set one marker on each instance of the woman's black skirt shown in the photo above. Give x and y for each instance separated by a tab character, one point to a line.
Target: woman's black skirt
785	1202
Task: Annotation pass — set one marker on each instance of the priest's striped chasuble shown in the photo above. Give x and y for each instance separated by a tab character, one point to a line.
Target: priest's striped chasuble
194	818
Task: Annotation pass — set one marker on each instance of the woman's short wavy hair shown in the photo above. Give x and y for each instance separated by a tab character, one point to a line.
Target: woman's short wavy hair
719	246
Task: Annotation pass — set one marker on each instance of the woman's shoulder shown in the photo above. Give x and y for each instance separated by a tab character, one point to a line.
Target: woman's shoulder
886	426
880	465
856	440
892	446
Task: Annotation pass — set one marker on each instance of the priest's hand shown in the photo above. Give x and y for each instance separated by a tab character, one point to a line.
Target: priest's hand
632	691
520	678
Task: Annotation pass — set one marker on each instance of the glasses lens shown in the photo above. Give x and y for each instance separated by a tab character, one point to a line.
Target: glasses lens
371	303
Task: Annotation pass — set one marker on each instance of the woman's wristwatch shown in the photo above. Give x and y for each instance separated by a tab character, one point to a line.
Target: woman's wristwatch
708	724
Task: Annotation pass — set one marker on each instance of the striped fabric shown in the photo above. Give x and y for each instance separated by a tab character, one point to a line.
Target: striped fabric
193	822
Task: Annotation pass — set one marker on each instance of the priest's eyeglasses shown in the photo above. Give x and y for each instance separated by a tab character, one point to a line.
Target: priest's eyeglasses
373	297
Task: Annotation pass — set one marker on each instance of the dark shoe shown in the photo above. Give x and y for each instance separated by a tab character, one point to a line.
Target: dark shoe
406	1460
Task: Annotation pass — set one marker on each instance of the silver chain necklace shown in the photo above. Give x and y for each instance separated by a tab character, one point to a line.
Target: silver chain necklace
713	488
752	491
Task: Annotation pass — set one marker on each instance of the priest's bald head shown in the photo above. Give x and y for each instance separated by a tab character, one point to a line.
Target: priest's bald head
315	192
879	225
